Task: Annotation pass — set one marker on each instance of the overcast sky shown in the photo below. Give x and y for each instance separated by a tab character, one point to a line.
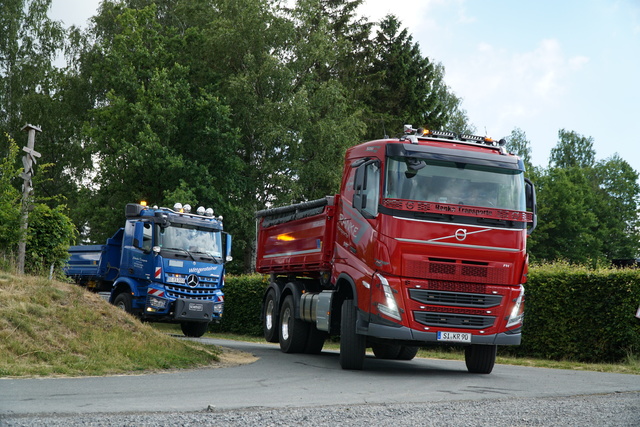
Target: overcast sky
539	65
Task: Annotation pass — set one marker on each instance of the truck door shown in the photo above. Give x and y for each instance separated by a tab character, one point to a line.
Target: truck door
140	257
357	226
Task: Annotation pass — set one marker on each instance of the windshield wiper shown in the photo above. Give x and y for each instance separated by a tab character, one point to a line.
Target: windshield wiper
182	250
207	256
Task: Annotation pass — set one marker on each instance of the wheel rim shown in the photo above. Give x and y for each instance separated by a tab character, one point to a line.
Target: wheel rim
268	318
121	306
286	317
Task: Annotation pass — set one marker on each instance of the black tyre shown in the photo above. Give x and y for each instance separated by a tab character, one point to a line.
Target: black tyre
480	358
293	333
386	351
352	345
194	329
407	352
270	324
124	302
315	340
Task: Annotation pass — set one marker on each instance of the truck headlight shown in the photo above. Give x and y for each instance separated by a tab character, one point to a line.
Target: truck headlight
218	307
517	313
157	302
390	307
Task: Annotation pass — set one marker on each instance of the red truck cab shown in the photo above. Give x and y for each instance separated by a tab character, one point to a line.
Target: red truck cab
425	243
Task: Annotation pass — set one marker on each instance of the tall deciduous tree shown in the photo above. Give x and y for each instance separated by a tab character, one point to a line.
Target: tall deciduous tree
517	143
573	150
155	136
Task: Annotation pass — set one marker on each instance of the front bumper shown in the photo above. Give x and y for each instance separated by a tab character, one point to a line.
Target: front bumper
402	333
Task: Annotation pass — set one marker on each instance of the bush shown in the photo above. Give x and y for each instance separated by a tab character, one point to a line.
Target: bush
242	305
581	314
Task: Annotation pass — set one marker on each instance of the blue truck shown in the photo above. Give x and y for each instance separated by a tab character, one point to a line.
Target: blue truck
164	265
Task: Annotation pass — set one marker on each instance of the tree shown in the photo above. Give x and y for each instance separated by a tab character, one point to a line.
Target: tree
517	143
567	226
617	197
9	200
154	134
573	150
408	88
588	210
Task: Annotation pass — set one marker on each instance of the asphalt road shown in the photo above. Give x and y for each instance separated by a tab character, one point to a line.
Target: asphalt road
279	380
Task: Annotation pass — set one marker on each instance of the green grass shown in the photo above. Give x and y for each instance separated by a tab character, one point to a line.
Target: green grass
49	328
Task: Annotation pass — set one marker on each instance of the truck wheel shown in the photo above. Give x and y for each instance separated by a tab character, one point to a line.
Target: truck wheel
124	302
386	351
315	341
194	329
480	358
352	344
407	352
270	318
293	332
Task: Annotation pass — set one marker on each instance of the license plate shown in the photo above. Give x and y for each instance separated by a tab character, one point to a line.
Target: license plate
454	336
196	307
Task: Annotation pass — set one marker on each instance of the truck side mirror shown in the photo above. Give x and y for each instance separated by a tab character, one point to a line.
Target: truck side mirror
531	204
227	251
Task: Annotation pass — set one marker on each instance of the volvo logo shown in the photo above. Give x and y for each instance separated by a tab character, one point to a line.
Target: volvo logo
461	234
192	280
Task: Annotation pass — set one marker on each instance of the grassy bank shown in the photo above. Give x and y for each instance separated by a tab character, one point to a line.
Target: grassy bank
49	328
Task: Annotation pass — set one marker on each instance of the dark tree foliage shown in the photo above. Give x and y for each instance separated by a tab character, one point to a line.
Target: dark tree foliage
588	210
407	87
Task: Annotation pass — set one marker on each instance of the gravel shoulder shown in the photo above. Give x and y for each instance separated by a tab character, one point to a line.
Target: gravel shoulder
619	409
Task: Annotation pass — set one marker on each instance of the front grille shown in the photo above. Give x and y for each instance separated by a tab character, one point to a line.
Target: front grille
451	320
206	289
427	296
456	270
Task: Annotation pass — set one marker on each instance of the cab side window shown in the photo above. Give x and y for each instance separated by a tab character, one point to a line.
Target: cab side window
147	237
367	188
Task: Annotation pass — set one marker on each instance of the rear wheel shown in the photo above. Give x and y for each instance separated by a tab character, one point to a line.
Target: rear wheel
270	318
407	352
352	344
293	332
480	358
386	351
194	329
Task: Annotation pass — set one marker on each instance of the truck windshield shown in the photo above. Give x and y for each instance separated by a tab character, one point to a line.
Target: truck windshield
191	239
442	181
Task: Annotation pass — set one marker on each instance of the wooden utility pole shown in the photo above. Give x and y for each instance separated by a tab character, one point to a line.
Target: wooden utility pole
28	161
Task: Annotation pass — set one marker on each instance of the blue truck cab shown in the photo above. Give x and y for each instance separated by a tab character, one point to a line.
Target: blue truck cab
165	265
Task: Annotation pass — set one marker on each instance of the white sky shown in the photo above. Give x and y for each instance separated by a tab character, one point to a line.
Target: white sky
540	65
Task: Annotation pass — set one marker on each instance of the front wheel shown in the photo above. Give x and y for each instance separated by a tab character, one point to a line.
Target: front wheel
480	358
352	344
270	318
386	351
194	329
124	302
407	352
293	332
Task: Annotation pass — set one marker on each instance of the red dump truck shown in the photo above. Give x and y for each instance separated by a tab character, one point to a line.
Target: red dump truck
425	244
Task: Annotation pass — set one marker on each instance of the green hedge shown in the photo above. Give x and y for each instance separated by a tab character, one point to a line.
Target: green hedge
242	305
571	312
581	314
